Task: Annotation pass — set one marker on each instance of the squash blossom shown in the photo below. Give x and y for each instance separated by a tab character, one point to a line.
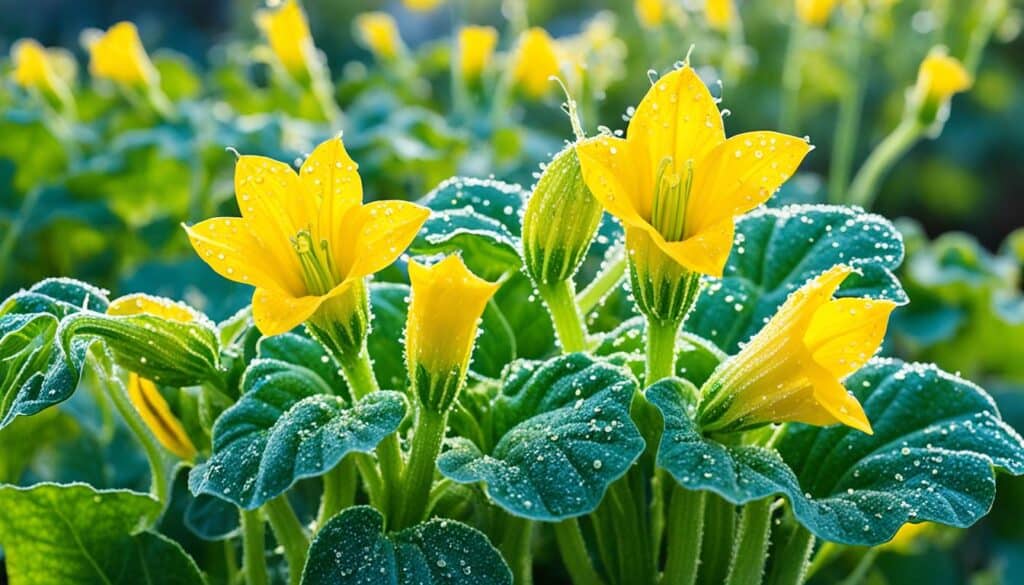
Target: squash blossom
719	14
447	302
306	242
677	183
142	392
422	5
378	32
118	55
815	12
476	47
287	32
650	13
40	69
792	370
535	62
938	79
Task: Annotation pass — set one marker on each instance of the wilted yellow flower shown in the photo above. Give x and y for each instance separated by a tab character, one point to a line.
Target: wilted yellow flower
447	301
815	12
287	31
142	392
940	76
719	14
650	13
118	55
422	5
535	62
675	180
378	32
305	238
792	370
476	47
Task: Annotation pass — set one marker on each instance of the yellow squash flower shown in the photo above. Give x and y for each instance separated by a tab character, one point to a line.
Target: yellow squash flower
36	68
447	301
719	14
422	5
304	238
142	392
940	76
118	55
378	32
676	183
287	31
476	47
535	62
650	13
792	370
815	12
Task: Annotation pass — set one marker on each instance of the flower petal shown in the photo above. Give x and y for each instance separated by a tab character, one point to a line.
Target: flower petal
677	118
331	179
228	246
615	177
382	231
845	333
705	253
270	198
157	415
835	399
740	174
276	312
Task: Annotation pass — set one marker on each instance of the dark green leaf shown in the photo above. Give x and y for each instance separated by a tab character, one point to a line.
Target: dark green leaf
211	518
696	358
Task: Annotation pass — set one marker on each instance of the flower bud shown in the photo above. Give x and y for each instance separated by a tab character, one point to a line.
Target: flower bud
814	12
938	79
719	14
535	62
476	47
560	220
447	301
650	13
378	32
44	70
287	32
157	415
118	55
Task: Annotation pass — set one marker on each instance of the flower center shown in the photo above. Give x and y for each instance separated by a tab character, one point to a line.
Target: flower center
671	195
315	260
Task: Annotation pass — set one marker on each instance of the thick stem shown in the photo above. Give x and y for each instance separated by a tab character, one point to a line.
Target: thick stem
789	567
254	557
719	529
661	350
685	536
419	474
791	77
561	302
748	556
515	547
885	155
851	103
860	572
339	490
574	553
290	534
636	565
827	553
603	283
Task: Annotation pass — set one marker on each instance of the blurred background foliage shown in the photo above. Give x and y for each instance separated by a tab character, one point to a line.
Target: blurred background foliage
101	196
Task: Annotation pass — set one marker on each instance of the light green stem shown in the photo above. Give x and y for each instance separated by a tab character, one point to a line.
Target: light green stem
561	302
339	490
789	565
885	155
825	555
419	473
860	572
254	557
603	283
748	555
792	78
290	534
661	350
851	103
685	536
515	547
574	553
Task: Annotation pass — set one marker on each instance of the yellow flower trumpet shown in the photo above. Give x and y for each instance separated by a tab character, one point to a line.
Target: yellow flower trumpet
677	184
43	70
142	392
719	14
650	13
306	241
447	301
378	32
814	12
938	79
118	55
287	32
535	62
792	370
476	47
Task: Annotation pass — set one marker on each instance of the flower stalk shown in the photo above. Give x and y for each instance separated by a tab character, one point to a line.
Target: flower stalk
290	534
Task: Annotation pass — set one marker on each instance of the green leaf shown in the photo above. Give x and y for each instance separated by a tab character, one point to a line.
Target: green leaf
74	533
696	358
290	423
389	303
937	438
211	518
33	146
352	548
560	434
479	218
778	250
28	435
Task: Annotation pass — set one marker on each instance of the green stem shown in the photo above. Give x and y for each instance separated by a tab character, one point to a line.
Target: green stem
860	572
885	155
719	529
339	490
104	370
981	34
685	536
372	482
10	238
748	556
661	350
789	567
290	534
603	283
574	553
851	103
419	473
561	302
515	547
791	77
636	565
825	555
254	557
